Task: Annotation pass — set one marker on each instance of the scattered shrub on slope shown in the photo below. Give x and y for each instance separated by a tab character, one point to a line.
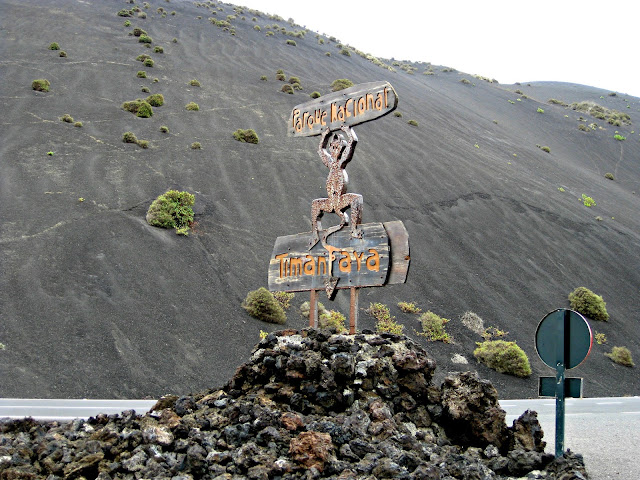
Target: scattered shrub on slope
341	84
41	85
246	136
503	357
262	305
433	327
172	210
621	355
385	322
140	108
584	301
155	100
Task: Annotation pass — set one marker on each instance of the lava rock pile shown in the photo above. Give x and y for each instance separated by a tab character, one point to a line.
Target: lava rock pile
309	404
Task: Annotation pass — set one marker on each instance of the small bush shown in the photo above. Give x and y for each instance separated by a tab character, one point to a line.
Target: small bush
600	338
125	13
584	301
433	327
196	146
281	77
145	39
315	94
413	123
67	118
127	23
284	298
142	57
588	201
175	40
621	355
262	305
158	49
493	332
554	101
293	80
384	321
305	309
257	28
609	175
341	84
407	307
540	110
138	32
78	124
148	63
143	143
345	52
287	88
583	127
397	114
473	322
292	43
41	85
264	78
155	100
332	319
63	53
164	129
194	83
139	107
141	74
129	137
145	90
192	106
544	148
503	357
246	136
464	81
619	137
172	209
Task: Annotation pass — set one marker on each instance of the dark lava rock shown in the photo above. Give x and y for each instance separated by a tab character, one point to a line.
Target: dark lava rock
307	405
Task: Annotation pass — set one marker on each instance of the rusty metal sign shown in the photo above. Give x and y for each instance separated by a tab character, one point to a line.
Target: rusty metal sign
352	106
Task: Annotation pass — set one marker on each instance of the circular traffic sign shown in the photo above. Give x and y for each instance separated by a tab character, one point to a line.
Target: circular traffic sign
563	336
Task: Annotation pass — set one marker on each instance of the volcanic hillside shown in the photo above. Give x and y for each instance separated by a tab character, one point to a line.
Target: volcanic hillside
94	302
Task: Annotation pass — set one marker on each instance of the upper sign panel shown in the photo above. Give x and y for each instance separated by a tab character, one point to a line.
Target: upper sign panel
352	106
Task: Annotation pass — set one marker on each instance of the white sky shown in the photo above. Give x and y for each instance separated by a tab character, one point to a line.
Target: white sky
589	42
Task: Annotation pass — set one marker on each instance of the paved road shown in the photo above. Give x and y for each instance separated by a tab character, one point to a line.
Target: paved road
605	430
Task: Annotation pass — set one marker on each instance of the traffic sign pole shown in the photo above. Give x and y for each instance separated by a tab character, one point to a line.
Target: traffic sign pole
560	409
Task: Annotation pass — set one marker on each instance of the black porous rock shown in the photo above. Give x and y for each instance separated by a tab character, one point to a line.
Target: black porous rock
308	404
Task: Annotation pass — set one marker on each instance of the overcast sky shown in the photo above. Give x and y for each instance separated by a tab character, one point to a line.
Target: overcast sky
589	42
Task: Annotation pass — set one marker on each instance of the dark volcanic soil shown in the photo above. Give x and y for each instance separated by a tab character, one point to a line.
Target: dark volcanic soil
96	303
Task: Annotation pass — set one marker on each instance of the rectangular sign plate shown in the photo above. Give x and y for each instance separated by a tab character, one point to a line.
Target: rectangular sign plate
572	387
357	262
351	106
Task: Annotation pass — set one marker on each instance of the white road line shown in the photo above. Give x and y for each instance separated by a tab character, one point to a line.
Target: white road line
608	403
632	413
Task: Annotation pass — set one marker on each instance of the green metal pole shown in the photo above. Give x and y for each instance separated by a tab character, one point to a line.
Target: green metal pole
559	409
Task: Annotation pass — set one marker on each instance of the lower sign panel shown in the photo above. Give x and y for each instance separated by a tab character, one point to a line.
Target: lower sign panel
354	262
572	387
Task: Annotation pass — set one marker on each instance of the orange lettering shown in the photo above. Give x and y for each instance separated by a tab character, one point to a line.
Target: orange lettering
322	261
295	267
345	262
370	101
334	113
346	107
373	262
281	257
323	118
379	101
358	258
309	266
362	105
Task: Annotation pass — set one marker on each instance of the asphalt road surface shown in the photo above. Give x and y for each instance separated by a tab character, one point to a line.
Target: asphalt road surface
606	431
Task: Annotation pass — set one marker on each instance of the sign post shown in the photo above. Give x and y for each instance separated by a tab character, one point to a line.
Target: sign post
364	255
563	341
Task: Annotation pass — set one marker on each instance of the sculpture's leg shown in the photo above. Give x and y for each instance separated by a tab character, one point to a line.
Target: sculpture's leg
317	208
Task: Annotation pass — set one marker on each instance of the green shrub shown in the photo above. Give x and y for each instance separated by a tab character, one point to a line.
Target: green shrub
260	304
141	108
127	23
78	124
600	338
345	52
540	110
287	88
609	175
264	78
142	57
143	143
332	319
164	129
588	201
145	90
433	327
155	100
41	85
63	53
246	136
589	304
413	123
172	209
465	81
196	146
583	127
293	80
284	298
125	13
145	39
397	114
175	40
305	309
545	149
192	106
385	323
257	28
292	43
281	77
619	137
341	84
503	357
408	307
621	355
148	63
554	101
141	74
493	332
129	137
138	32
67	118
194	83
315	95
158	49
280	72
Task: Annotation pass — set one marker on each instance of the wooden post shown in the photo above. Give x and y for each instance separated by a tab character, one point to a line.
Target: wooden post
313	309
353	311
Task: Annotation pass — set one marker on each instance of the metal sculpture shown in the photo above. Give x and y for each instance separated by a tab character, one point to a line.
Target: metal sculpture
336	158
